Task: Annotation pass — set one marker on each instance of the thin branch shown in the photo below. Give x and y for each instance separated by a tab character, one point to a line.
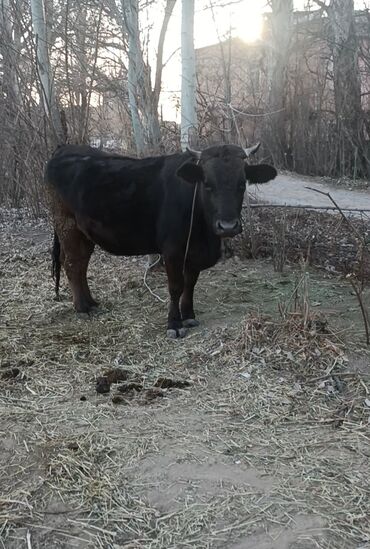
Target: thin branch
158	73
322	5
357	291
340	210
362	307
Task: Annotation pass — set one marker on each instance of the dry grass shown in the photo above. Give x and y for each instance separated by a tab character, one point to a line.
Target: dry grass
325	240
269	441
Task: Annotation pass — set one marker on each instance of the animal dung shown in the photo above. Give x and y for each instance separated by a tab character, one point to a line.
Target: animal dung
132	385
10	373
102	385
169	383
115	375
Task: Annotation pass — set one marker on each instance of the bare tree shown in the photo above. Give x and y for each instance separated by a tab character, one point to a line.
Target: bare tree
188	81
130	11
10	77
277	65
44	69
309	80
143	96
347	88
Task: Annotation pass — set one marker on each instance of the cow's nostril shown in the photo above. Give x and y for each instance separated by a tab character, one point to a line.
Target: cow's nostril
227	225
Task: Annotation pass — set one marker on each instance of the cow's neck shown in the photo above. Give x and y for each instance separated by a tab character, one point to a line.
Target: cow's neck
205	246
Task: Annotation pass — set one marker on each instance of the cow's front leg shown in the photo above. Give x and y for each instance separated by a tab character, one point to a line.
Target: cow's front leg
175	287
187	307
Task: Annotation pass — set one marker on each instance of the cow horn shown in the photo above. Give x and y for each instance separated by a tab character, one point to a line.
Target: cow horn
252	150
194	153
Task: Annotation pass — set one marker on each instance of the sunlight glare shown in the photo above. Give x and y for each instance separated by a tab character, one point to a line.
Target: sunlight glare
247	21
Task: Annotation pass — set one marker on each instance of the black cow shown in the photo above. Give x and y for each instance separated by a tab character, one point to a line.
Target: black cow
179	206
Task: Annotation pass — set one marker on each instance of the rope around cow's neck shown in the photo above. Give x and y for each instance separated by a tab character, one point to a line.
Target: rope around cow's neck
190	228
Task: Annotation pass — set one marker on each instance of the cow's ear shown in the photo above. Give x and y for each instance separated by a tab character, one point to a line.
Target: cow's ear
191	172
260	173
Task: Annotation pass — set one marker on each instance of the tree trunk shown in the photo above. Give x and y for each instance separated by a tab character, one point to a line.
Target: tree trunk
188	81
135	69
11	97
143	99
81	92
347	88
44	70
278	60
9	53
153	125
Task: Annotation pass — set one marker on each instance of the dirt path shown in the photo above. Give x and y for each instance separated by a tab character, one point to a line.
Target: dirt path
291	189
266	447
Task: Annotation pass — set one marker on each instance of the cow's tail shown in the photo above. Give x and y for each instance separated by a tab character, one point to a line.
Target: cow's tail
56	264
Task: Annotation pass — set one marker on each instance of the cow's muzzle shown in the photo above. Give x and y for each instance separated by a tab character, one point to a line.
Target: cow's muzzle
226	229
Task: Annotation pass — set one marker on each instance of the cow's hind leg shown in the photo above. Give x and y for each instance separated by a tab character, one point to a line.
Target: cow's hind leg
175	287
76	251
187	307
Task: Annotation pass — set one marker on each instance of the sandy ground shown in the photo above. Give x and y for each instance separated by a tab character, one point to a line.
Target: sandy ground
291	189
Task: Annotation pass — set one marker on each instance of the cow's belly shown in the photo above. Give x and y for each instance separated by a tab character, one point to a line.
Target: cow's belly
117	240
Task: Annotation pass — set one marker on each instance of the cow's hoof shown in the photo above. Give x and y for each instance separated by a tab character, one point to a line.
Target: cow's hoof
83	315
175	333
190	323
88	308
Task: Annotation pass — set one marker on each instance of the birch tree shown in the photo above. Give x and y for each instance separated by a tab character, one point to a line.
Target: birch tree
9	96
143	96
130	13
44	69
9	53
153	122
188	79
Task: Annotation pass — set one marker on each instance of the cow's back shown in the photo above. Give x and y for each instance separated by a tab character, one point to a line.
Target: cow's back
127	206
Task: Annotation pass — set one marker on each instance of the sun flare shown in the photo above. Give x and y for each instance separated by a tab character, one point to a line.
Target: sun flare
247	23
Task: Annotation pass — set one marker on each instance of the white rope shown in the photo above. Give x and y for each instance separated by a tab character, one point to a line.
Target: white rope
190	227
253	114
149	266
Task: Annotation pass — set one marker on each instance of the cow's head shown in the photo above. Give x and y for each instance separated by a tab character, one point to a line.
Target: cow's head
222	172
